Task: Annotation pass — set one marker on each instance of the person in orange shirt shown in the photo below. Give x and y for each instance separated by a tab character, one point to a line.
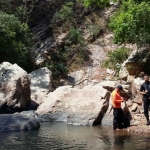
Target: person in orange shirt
117	111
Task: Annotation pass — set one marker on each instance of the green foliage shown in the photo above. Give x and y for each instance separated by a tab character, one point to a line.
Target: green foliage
116	58
131	24
58	69
75	46
94	30
98	3
74	36
14	41
63	19
65	12
73	51
13	7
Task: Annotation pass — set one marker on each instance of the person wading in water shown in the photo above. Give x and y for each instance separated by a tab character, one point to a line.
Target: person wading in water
145	91
117	111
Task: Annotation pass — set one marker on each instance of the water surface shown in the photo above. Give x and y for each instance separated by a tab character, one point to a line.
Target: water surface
60	136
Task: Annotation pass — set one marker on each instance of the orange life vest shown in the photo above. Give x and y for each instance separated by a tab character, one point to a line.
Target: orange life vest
116	96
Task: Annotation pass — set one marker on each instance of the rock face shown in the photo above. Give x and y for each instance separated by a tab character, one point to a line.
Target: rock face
45	10
17	122
75	106
93	73
134	65
40	85
14	88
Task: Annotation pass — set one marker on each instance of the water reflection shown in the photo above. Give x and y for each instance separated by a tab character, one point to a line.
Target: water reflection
59	136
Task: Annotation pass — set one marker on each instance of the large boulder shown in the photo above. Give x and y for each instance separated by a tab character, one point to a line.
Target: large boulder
75	106
137	82
40	85
135	87
14	88
109	85
17	122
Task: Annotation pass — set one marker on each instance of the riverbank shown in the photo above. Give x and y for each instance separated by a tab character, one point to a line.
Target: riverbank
142	129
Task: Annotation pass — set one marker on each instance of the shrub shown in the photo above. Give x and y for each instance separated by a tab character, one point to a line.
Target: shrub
116	58
65	13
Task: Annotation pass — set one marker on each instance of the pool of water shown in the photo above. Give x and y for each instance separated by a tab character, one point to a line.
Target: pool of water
60	136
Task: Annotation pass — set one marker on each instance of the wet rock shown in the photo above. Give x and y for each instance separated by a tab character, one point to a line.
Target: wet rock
30	113
14	88
108	117
75	106
17	122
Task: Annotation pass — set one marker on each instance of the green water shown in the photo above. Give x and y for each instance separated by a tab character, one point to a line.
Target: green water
60	136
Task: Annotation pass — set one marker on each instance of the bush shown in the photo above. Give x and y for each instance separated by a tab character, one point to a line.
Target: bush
14	41
116	58
74	36
65	13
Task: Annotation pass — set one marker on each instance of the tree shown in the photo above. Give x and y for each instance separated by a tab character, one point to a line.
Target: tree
14	41
131	23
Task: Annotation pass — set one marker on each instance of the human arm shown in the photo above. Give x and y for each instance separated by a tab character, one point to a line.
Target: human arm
142	90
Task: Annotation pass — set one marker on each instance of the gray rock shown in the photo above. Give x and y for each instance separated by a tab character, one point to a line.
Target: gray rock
123	73
17	122
129	103
134	107
14	88
109	85
138	100
75	106
30	113
40	85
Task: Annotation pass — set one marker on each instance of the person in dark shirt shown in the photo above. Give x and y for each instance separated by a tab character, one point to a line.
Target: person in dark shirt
145	91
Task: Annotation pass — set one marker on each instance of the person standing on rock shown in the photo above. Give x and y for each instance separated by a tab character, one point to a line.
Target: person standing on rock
145	91
117	110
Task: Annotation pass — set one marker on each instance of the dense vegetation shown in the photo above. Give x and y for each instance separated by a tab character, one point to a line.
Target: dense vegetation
15	36
130	23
